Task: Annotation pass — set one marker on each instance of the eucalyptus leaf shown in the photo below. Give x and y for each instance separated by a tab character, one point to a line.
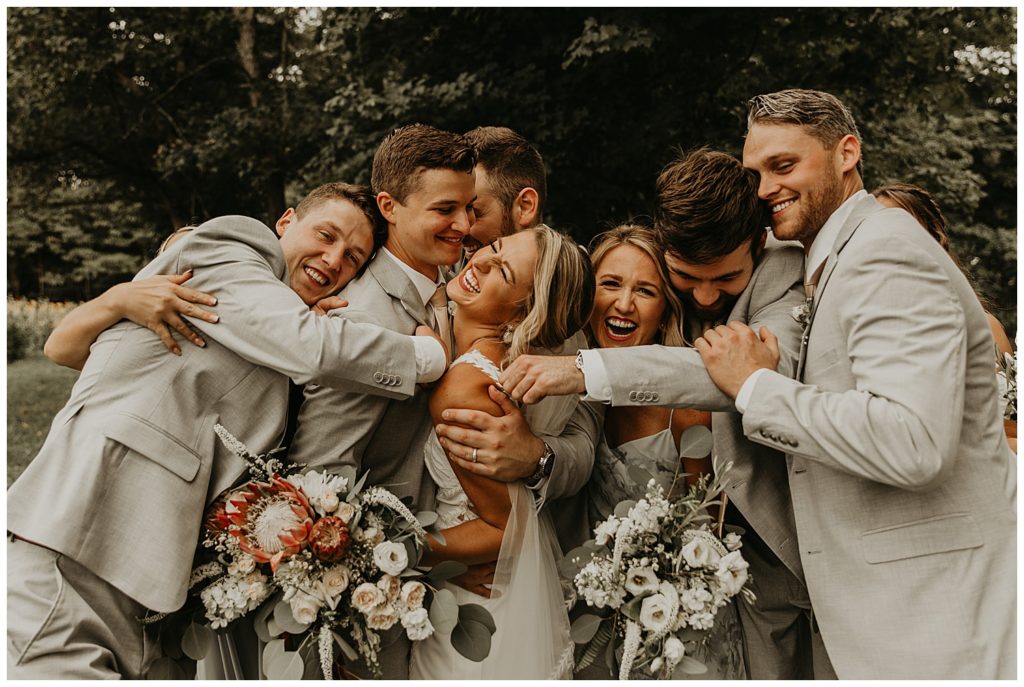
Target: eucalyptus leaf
284	618
361	482
622	508
273	629
638	474
272	652
197	640
477	613
411	551
691	666
444	612
695	442
166	668
288	665
446	570
632	609
472	640
584	628
426	518
261	617
346	648
574	561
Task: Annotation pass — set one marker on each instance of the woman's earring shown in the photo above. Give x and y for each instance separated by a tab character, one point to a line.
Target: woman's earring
506	336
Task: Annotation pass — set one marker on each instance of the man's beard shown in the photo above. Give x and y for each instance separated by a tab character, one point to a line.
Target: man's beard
718	312
471	245
821	202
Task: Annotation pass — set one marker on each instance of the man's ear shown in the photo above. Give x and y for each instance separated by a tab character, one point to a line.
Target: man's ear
525	208
386	204
286	219
760	246
849	153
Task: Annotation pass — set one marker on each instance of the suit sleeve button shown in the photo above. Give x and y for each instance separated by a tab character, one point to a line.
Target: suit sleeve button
378	377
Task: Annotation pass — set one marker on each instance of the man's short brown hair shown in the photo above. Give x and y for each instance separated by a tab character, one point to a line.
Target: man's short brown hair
409	150
708	207
512	164
358	195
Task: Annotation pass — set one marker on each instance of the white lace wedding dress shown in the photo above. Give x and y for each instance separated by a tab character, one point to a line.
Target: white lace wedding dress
532	636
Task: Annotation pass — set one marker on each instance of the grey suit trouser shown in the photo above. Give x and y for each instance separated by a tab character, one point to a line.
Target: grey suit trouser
64	623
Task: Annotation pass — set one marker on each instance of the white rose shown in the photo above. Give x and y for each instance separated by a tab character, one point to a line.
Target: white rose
640	580
345	511
654	613
413	593
246	564
371	534
257	586
390	557
417	624
656	665
732	541
366	597
391	586
336	580
732	572
304	608
674	650
329	501
382	618
605	532
697	553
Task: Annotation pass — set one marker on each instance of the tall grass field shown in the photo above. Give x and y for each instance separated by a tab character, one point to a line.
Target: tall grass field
36	388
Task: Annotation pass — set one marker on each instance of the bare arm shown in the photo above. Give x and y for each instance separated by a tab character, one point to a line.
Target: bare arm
156	303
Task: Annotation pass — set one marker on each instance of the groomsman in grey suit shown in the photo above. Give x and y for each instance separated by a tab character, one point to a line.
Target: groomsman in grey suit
549	445
423	178
104	521
903	485
712	228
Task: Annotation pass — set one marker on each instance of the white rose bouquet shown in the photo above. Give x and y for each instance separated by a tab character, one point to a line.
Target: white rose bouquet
319	562
653	578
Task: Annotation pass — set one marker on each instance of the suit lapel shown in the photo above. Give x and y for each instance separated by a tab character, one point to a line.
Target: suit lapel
397	285
861	211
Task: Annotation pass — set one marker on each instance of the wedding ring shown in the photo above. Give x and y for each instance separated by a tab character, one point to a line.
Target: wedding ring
474	454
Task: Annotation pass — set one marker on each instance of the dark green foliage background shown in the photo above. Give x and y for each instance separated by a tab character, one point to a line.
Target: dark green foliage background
124	123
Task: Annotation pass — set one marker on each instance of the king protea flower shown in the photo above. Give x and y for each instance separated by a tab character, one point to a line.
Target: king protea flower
329	538
273	520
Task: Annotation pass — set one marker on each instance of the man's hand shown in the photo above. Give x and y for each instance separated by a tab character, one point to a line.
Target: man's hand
424	330
325	305
158	303
733	352
506	449
531	378
478	579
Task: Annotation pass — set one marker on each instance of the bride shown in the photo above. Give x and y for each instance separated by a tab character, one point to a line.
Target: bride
530	289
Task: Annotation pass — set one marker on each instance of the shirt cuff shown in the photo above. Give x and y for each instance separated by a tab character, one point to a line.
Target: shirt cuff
430	359
747	390
595	376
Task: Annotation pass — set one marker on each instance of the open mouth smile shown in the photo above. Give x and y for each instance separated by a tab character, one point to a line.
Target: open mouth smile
469	282
316	275
779	207
620	329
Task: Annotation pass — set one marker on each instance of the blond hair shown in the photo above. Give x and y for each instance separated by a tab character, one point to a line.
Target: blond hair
670	333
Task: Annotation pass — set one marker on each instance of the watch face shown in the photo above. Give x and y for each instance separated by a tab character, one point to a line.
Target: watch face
549	462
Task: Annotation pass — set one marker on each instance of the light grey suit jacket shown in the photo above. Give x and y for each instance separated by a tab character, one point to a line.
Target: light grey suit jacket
903	485
676	377
131	461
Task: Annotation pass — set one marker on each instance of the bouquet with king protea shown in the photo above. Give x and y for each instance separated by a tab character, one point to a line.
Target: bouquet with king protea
320	562
653	578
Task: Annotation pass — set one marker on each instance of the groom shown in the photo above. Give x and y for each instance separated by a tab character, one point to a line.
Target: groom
105	519
904	489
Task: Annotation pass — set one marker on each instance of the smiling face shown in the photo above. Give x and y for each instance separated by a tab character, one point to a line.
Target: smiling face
629	302
801	179
325	248
708	291
492	286
427	229
492	219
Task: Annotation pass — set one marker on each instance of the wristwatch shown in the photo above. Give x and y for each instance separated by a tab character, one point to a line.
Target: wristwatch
544	466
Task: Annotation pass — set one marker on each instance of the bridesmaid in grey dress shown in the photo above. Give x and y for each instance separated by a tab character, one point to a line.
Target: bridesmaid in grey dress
634	305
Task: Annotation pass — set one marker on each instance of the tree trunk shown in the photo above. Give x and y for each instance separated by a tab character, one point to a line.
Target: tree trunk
246	17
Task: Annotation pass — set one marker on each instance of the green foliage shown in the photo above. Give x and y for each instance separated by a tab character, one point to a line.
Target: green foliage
154	116
29	324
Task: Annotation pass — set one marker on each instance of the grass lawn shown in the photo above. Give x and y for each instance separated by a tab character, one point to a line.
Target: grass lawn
36	390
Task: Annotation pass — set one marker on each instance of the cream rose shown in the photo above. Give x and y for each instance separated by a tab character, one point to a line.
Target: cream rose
329	501
304	608
697	553
336	579
366	597
417	624
654	613
345	511
640	580
391	586
413	593
732	572
390	557
732	541
382	618
674	650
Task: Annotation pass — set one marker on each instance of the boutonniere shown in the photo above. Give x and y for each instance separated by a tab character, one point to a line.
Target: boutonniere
802	313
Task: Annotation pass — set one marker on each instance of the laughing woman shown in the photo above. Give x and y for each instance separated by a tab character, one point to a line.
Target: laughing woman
532	289
633	306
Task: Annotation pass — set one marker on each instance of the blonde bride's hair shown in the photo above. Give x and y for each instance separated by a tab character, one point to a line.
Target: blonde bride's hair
561	299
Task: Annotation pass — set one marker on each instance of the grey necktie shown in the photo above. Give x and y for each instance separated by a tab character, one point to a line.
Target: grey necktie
442	321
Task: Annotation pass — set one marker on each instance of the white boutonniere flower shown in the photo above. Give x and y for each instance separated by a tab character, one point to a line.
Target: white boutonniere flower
802	313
